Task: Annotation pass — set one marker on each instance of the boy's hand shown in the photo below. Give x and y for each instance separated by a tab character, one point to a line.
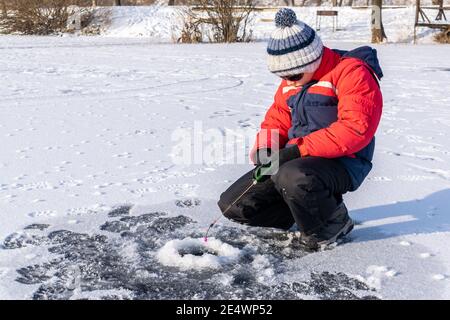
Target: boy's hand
264	171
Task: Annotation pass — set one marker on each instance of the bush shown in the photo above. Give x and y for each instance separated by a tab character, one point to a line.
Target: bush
41	17
443	37
190	28
228	20
44	17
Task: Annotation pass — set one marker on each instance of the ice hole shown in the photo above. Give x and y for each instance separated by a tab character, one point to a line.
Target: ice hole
196	254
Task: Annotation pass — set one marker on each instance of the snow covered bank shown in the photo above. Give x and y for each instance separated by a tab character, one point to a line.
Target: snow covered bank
162	24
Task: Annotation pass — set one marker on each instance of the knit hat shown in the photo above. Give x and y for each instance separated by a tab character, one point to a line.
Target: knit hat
294	47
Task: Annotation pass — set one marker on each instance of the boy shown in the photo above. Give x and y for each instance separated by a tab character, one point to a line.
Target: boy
317	139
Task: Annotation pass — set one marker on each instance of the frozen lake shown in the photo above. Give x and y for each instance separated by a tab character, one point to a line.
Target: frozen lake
89	192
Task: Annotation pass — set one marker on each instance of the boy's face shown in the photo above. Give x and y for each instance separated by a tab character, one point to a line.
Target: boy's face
304	80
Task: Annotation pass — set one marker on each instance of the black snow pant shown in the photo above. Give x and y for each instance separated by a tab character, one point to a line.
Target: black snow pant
304	190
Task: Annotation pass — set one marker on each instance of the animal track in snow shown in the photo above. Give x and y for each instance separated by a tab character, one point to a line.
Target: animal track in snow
245	123
43	185
43	213
224	113
51	148
24	150
162	175
126	155
188	203
142	132
80	211
142	191
182	190
379	179
103	186
71	183
376	274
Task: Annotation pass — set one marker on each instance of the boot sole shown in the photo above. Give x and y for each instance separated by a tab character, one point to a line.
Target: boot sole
346	229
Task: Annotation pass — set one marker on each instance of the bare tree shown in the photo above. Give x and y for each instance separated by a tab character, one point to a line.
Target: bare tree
378	34
228	19
117	2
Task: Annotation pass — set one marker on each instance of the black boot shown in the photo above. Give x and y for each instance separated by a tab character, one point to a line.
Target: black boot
337	226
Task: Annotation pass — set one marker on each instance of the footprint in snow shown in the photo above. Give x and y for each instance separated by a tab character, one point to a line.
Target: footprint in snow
187	203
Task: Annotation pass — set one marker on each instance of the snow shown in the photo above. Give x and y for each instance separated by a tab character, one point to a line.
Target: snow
197	254
90	195
163	24
376	275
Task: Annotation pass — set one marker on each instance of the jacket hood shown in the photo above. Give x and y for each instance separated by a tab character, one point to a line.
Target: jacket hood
368	55
332	57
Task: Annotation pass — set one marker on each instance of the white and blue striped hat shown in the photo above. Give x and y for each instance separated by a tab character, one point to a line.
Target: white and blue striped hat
294	47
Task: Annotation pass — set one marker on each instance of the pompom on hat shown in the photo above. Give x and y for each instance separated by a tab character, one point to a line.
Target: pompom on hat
294	47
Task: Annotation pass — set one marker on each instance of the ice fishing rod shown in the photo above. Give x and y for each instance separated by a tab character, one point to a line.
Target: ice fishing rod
260	173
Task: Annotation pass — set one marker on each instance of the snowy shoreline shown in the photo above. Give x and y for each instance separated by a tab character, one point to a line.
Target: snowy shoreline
162	24
353	24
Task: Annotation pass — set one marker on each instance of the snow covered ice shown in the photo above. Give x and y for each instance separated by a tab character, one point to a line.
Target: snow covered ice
90	200
144	262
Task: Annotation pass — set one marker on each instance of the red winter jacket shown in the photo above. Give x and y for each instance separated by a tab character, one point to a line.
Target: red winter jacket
359	110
